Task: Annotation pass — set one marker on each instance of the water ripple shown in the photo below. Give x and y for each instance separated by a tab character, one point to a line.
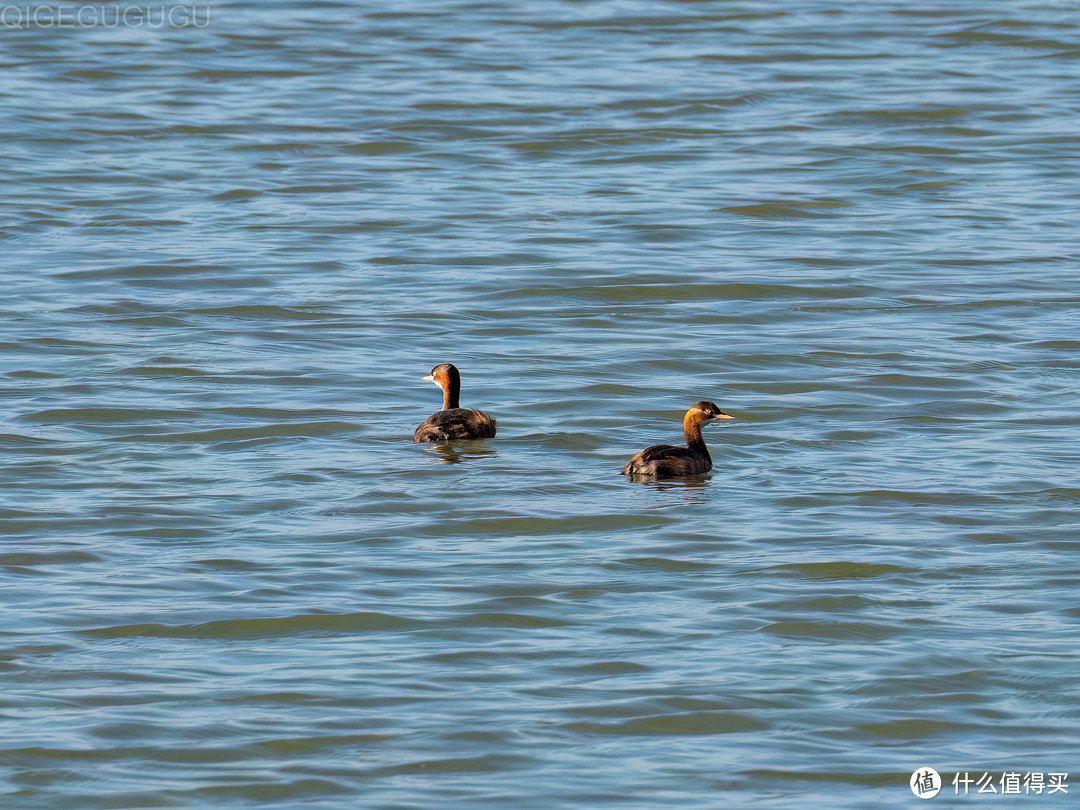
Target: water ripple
233	252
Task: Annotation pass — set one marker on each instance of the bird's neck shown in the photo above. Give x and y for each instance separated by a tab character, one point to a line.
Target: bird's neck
692	431
450	392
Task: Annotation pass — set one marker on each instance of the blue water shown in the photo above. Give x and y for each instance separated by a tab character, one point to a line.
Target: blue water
231	580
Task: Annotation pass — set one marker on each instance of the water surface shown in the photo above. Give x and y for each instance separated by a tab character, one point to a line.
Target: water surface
231	253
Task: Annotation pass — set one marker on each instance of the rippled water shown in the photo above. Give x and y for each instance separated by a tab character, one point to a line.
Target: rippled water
231	253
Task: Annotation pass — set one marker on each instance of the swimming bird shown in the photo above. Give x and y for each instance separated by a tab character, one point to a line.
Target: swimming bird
668	461
452	422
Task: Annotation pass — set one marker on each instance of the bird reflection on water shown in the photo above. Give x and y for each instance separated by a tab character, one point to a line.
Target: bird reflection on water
691	488
457	453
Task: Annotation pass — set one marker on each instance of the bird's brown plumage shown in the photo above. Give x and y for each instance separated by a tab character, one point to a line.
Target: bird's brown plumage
669	461
453	422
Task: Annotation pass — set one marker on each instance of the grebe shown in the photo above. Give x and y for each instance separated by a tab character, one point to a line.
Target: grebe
452	422
668	461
